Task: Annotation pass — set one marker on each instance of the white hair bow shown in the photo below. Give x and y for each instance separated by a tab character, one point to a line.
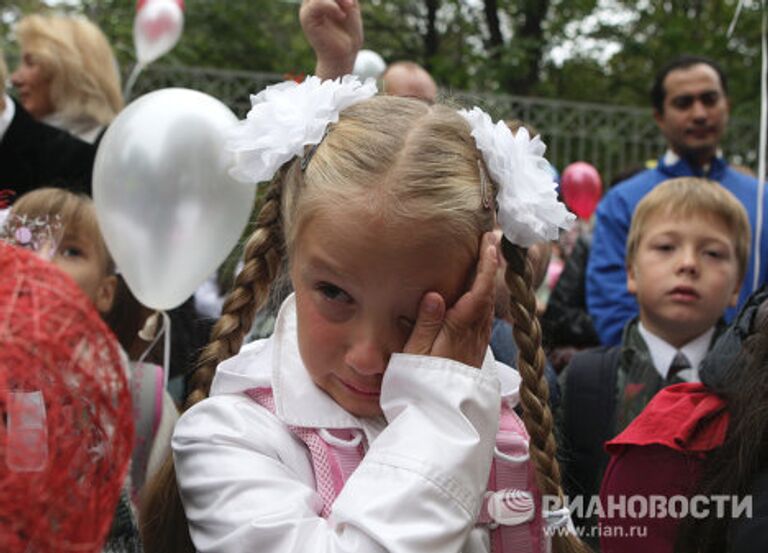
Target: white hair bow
529	211
286	117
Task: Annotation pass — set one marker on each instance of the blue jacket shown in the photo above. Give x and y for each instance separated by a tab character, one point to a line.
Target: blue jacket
608	301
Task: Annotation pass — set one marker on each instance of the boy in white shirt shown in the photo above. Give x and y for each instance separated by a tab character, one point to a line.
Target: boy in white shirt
687	252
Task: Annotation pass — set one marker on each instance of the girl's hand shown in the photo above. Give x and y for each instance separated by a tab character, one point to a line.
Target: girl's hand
464	331
334	29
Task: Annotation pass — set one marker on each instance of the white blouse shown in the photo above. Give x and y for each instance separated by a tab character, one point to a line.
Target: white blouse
247	482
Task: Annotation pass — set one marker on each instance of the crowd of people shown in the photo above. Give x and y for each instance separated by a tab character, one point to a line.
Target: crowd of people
381	374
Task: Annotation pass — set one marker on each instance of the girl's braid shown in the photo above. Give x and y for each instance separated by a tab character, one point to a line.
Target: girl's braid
262	259
534	391
162	521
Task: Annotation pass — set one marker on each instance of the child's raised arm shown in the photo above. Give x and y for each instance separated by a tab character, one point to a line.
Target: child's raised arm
334	28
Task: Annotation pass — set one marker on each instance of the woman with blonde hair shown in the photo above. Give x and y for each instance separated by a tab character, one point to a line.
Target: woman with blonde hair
68	75
33	154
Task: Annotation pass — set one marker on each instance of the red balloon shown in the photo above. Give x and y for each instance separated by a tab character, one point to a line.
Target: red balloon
582	188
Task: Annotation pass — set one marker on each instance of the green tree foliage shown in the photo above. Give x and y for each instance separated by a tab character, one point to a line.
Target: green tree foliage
493	46
262	35
11	11
668	28
477	45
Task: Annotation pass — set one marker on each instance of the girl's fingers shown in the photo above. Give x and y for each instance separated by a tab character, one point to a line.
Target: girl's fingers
485	281
429	323
466	329
475	304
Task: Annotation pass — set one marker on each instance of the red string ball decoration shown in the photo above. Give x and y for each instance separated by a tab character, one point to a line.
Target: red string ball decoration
67	429
582	188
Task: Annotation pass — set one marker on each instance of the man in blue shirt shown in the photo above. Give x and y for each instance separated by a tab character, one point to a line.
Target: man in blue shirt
691	108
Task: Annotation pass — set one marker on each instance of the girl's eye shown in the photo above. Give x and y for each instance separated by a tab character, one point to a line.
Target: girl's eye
333	293
663	247
71	251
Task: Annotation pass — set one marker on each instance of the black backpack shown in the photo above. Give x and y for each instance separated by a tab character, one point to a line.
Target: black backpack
588	418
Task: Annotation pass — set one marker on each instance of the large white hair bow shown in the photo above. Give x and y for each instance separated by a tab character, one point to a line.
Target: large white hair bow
529	211
286	117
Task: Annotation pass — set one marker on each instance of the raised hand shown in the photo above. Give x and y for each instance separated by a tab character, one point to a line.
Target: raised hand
334	29
461	333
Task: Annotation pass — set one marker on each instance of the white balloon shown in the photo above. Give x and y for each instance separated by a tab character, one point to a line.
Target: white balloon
369	64
166	205
156	29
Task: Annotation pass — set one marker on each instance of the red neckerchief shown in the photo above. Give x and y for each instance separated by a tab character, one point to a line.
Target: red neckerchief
685	417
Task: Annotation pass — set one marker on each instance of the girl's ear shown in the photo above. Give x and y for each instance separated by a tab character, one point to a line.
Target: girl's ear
105	295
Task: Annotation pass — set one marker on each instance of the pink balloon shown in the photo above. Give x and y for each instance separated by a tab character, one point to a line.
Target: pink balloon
582	188
157	28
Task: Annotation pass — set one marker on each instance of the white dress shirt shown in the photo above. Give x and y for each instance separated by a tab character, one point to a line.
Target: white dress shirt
670	158
662	353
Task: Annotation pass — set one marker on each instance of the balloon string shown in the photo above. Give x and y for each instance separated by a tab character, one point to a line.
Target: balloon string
762	142
736	15
167	349
164	331
761	152
137	69
152	334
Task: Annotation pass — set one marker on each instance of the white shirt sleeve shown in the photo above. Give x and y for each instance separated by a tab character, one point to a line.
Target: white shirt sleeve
247	482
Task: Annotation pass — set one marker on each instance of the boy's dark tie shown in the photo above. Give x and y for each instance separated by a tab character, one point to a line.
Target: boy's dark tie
679	363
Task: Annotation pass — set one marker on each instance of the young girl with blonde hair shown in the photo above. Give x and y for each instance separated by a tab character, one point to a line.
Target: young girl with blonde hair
78	249
381	213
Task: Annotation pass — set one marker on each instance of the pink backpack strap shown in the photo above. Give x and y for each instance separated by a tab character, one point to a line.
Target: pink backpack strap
512	503
335	453
147	394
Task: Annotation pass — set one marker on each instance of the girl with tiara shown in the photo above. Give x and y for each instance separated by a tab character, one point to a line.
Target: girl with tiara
375	417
